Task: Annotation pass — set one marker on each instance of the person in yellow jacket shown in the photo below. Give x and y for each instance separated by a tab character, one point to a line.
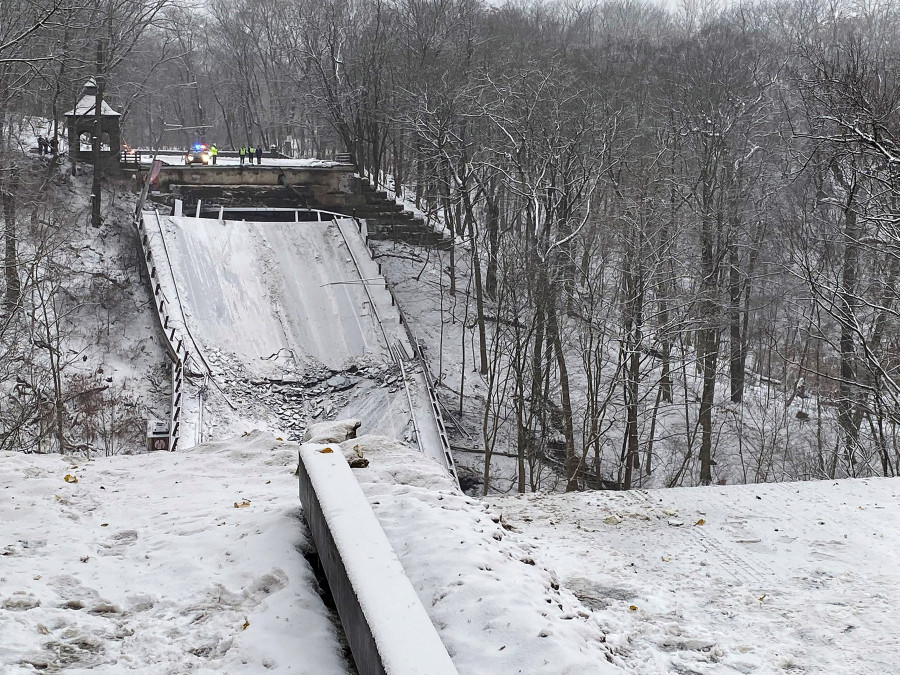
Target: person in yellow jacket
213	152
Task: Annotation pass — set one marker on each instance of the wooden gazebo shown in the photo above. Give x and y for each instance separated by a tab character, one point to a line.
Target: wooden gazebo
81	120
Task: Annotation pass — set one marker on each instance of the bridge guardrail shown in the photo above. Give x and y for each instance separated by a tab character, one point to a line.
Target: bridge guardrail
434	404
173	343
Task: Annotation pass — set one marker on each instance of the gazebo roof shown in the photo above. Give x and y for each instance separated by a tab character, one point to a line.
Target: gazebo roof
86	107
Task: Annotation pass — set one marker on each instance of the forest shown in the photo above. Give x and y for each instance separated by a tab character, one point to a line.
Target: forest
677	226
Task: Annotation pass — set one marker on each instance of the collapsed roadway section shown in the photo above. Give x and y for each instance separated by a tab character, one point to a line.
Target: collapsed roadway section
275	305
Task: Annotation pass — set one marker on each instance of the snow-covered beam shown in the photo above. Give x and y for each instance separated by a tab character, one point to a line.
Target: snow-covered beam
386	625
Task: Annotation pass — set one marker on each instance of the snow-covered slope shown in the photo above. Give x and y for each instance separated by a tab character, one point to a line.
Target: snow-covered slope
160	563
146	565
790	577
275	295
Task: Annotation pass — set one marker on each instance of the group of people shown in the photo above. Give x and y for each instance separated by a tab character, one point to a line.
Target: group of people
46	147
251	152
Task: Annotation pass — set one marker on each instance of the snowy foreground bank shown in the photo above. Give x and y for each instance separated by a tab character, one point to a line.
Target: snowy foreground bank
192	562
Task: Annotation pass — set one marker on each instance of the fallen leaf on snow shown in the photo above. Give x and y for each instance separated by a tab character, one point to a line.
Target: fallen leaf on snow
633	608
70	478
700	522
326	451
242	505
246	625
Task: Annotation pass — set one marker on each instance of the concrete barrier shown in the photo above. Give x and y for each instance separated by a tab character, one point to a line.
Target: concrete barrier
329	178
386	625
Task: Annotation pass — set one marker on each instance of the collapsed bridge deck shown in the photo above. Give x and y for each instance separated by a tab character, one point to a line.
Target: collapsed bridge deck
286	299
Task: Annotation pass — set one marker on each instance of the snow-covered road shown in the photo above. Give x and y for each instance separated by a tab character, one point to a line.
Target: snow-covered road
286	301
273	293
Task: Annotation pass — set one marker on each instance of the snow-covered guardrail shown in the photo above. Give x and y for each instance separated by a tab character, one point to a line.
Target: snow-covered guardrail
386	625
174	343
446	455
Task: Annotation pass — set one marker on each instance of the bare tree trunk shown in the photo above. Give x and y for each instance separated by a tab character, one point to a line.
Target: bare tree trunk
538	404
633	335
572	464
707	345
847	316
97	183
479	290
8	190
493	228
709	350
736	344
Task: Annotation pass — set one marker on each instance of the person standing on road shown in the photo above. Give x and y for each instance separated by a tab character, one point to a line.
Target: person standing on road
259	154
250	152
213	152
243	154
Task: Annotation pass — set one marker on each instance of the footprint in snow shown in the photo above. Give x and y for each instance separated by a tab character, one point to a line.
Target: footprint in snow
117	541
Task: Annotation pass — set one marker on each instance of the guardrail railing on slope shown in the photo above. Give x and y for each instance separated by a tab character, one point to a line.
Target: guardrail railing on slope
174	344
434	404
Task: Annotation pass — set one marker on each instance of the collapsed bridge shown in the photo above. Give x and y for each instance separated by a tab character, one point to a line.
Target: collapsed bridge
287	302
284	299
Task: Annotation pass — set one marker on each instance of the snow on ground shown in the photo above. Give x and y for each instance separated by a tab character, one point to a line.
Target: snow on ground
191	562
772	578
160	563
497	609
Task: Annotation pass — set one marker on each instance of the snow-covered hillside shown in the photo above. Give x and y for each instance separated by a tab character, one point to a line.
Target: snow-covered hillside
788	577
194	562
160	563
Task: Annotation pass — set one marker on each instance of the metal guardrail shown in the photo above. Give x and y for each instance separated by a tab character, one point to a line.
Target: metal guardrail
130	159
173	343
434	406
432	392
